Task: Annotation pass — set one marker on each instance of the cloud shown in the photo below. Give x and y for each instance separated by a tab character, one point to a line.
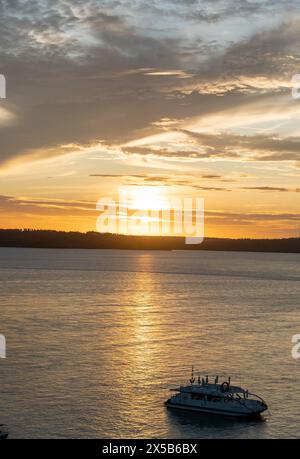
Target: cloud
12	204
84	73
234	218
118	175
225	145
260	147
178	179
210	188
272	188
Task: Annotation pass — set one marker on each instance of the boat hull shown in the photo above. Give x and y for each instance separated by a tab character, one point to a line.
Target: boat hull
202	409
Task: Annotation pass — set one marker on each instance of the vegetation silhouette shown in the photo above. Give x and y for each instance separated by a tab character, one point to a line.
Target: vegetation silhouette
93	240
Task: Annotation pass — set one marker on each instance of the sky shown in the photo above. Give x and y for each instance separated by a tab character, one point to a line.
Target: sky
169	98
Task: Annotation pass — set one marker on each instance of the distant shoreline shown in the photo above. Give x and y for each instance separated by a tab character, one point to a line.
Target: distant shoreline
49	239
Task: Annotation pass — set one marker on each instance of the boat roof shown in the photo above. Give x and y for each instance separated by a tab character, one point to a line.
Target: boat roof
209	388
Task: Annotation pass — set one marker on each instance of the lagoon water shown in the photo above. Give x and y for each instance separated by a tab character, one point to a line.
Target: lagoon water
95	339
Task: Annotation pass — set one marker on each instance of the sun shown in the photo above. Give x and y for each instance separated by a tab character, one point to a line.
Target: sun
148	198
143	209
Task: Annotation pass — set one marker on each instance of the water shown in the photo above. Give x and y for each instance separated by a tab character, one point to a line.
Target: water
96	338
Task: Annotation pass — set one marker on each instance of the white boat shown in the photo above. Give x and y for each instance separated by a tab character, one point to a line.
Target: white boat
208	395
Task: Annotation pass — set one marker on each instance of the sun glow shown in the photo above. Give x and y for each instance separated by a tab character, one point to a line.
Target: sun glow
148	198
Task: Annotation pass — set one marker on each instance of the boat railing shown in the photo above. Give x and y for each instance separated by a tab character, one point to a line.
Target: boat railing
258	397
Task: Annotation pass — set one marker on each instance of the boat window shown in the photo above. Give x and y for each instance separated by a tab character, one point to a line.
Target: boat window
213	398
197	396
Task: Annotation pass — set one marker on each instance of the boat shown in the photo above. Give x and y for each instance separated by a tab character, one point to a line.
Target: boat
211	395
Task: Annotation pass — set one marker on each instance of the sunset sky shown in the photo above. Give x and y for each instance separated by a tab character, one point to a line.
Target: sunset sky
185	97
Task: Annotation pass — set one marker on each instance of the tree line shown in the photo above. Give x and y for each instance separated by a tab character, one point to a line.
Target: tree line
94	240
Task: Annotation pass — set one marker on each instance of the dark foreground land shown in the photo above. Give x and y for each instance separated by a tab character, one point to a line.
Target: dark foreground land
94	240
